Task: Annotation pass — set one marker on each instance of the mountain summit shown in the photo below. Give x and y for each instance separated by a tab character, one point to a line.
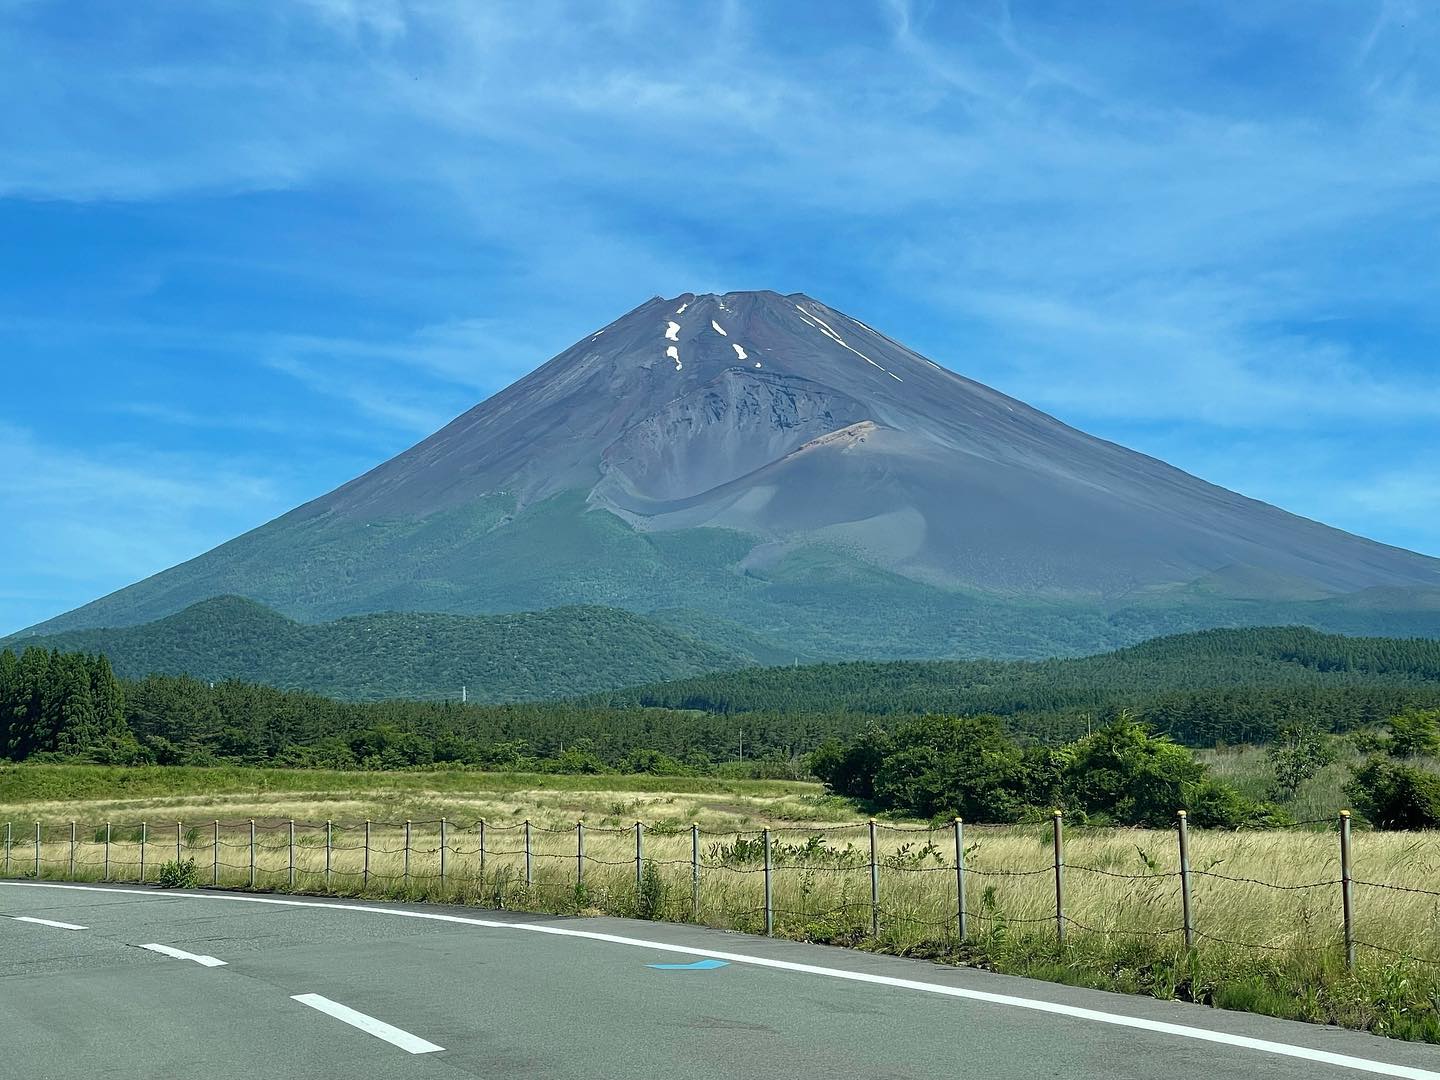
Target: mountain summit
759	462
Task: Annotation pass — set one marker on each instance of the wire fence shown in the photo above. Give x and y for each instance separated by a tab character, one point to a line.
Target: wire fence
843	883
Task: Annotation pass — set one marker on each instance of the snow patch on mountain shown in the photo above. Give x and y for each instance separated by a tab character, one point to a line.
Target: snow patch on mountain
824	327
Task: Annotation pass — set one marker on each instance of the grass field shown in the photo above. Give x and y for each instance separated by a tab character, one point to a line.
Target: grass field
58	793
1247	768
1267	905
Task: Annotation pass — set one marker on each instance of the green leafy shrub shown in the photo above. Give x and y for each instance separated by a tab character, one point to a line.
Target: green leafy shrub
1394	795
1124	772
650	899
1299	754
849	768
966	766
1415	733
178	875
1214	805
942	766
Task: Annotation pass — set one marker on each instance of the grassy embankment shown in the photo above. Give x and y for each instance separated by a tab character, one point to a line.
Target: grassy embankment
1261	948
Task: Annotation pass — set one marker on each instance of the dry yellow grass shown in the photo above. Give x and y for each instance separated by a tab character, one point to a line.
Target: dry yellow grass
1268	890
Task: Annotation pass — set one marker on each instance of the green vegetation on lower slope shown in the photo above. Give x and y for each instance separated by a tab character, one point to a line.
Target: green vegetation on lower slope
816	602
528	655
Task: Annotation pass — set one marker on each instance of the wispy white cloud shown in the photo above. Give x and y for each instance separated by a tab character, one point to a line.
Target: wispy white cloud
415	383
387	402
157	412
1190	355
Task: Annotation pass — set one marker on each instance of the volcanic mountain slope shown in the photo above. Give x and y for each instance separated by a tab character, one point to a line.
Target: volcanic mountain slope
766	462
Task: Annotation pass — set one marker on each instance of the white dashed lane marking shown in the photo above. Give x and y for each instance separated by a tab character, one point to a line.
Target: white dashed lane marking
46	922
411	1044
181	954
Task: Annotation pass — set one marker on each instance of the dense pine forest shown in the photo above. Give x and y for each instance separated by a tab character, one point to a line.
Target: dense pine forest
67	706
1215	686
1223	686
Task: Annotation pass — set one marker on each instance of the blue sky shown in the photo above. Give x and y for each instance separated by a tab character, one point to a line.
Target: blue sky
249	250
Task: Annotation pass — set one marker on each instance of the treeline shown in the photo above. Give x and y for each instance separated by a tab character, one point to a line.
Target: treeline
68	706
1215	686
944	766
1123	774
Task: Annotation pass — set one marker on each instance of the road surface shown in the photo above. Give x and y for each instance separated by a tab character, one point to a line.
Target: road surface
121	982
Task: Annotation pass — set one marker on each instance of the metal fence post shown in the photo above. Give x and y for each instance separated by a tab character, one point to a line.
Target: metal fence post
769	894
1183	828
329	849
1347	897
215	852
252	853
144	836
107	850
291	877
529	871
482	849
37	853
960	914
177	841
365	872
1059	879
579	854
72	849
407	853
695	871
639	855
7	849
874	885
442	851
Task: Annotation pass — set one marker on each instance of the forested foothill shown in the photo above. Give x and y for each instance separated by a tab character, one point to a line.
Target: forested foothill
1105	737
1214	686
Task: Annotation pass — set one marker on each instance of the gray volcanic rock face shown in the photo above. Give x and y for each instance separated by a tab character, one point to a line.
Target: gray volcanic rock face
738	422
734	434
714	411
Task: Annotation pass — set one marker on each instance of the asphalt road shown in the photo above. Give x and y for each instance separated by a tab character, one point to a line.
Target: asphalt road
269	987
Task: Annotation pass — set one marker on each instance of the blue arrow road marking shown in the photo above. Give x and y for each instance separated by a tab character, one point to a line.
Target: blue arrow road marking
698	965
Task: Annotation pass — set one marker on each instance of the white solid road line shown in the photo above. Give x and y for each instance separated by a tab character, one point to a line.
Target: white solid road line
411	1044
1264	1046
181	954
47	922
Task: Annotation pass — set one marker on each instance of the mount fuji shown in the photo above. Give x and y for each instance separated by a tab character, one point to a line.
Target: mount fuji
757	467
